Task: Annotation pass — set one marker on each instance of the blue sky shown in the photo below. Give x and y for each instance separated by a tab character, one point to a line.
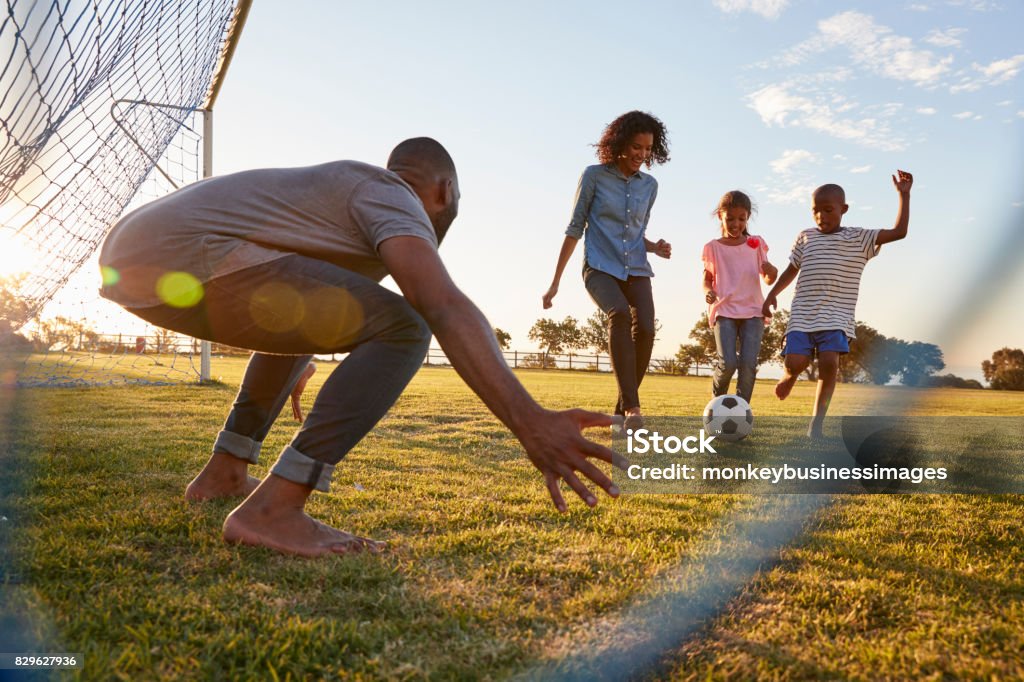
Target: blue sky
771	96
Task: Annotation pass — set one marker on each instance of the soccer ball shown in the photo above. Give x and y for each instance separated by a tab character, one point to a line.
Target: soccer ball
728	417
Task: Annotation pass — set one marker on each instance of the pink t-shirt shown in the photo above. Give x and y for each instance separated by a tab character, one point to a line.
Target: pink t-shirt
736	272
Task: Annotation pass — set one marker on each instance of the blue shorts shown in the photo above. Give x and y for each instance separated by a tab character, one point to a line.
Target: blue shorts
806	343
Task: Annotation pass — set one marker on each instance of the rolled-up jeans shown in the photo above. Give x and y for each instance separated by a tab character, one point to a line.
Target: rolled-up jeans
738	342
629	305
286	311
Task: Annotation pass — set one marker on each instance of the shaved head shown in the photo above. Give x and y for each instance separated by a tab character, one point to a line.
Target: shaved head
830	191
424	155
428	168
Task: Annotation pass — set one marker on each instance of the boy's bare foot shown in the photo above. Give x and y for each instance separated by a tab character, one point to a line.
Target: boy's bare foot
291	531
223	476
784	386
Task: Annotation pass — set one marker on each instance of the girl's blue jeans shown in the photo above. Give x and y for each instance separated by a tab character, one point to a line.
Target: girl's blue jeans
738	342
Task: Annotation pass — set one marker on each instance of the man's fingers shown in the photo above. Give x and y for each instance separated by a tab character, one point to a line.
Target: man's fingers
587	419
577	485
551	480
598	477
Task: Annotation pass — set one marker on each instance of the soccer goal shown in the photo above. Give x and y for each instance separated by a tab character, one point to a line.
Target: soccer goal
104	105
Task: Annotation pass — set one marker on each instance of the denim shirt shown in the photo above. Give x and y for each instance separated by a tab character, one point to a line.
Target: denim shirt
613	211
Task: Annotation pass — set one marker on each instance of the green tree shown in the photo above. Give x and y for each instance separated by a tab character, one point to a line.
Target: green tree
595	332
503	337
62	332
14	308
557	337
873	357
773	339
1005	371
691	354
917	361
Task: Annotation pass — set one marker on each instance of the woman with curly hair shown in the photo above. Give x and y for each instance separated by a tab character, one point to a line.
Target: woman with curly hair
611	212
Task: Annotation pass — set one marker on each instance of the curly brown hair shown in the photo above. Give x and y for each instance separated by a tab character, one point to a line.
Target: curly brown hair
620	132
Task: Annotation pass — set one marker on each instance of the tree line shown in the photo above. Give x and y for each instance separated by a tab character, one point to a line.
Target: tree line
874	358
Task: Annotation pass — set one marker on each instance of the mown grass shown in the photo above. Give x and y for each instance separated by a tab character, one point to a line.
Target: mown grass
482	579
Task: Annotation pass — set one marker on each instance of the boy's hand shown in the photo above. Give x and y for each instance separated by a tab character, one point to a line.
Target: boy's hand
770	272
711	296
769	303
902	181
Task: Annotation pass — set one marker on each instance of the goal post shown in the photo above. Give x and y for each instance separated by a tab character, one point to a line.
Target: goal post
95	99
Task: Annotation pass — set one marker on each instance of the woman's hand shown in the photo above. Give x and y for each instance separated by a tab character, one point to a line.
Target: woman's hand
549	295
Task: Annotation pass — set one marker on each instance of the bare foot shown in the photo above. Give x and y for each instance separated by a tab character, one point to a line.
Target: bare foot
292	531
784	386
816	430
634	420
223	476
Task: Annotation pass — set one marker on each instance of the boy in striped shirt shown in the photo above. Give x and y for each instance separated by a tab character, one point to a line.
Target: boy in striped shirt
829	260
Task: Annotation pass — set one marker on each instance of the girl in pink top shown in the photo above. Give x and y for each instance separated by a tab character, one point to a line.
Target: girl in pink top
733	265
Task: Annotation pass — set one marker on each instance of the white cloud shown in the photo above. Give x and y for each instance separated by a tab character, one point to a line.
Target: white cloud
974	5
1017	204
947	38
1004	103
1020	113
880	50
777	105
1002	70
796	192
999	71
785	164
926	111
839	157
919	7
860	169
963	115
769	9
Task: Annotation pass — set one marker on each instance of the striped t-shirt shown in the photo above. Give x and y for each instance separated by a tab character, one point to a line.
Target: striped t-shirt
830	268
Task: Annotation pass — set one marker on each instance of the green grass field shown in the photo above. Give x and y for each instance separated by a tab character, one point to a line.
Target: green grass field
483	579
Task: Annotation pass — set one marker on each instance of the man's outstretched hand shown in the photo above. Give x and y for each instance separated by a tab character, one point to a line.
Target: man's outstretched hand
555	444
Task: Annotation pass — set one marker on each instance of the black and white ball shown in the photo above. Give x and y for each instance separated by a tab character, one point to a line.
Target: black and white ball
729	418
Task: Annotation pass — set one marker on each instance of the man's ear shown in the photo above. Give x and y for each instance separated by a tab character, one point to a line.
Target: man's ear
846	207
443	191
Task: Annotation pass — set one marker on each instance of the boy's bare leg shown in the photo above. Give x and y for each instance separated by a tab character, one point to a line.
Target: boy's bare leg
223	476
828	371
792	367
274	516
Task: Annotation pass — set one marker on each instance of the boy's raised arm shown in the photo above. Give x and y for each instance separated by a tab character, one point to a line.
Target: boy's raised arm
902	181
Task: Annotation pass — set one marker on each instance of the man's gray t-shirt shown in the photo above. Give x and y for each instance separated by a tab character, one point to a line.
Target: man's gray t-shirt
338	212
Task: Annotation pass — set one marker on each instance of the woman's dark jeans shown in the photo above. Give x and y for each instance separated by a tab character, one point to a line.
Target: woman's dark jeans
629	306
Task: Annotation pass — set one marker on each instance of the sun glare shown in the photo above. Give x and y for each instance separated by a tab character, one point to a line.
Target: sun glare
16	256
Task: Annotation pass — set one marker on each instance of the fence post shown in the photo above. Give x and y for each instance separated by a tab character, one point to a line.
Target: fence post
515	359
570	360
